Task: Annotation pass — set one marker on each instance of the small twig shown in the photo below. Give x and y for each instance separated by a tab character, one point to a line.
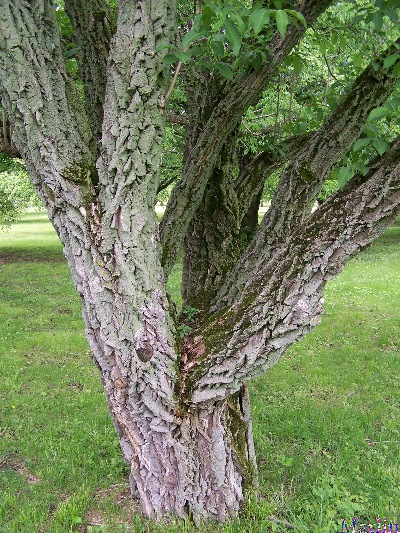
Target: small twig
164	184
171	88
329	68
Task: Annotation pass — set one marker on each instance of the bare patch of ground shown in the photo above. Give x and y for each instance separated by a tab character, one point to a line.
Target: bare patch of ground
10	463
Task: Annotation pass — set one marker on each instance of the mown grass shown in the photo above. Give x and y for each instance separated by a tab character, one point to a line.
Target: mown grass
326	417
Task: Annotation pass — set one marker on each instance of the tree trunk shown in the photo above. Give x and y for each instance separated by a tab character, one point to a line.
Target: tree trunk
191	462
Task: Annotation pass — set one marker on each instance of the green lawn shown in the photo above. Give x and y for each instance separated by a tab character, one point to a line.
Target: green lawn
326	417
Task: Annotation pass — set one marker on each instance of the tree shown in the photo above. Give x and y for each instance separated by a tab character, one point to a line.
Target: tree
176	383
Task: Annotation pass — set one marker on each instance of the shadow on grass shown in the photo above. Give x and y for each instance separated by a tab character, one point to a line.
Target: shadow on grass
39	255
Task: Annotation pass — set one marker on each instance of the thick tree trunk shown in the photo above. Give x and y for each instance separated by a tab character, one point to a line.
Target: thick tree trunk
191	462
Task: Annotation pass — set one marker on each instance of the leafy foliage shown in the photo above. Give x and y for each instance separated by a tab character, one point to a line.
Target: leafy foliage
230	36
16	190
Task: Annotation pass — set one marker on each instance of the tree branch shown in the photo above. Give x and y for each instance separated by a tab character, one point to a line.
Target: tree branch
93	28
50	125
253	176
187	194
283	301
164	184
177	119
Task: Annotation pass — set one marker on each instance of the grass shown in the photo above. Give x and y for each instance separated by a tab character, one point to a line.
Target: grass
326	417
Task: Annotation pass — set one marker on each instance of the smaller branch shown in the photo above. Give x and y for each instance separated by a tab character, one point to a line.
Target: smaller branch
174	79
329	68
164	184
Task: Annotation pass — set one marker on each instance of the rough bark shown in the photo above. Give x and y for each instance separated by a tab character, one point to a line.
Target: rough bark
93	26
212	244
179	408
283	300
186	462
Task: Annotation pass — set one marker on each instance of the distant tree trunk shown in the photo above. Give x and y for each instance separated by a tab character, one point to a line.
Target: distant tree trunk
6	144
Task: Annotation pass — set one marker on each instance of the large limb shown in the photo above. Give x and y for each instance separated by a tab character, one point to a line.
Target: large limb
283	300
50	126
187	194
109	236
213	241
93	26
215	238
303	179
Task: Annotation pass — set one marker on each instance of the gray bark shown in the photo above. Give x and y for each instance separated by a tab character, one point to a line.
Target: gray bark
302	180
283	300
93	28
182	461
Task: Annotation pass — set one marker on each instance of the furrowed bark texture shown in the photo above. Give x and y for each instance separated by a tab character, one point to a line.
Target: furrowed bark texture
283	300
303	179
212	244
93	28
181	412
226	220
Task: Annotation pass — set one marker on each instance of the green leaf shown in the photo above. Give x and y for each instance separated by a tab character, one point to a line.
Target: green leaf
163	47
258	19
358	60
189	37
169	59
377	19
297	63
375	65
240	23
363	169
282	21
391	60
299	16
225	70
378	113
183	56
206	16
380	146
218	48
256	61
360	144
233	36
323	48
344	175
219	22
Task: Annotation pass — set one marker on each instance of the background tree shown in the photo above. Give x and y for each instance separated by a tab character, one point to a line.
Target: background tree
88	104
16	191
